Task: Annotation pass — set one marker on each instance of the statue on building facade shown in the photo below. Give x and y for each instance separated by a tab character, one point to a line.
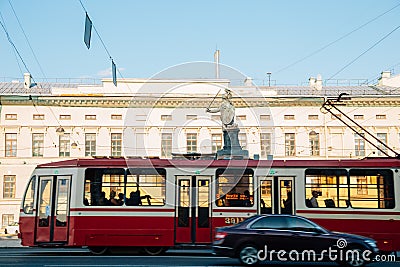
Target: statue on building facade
230	129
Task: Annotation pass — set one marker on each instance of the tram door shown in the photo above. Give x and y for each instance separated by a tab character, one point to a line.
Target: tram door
53	209
193	209
276	195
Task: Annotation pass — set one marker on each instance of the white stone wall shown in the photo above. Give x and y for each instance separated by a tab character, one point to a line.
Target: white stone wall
142	128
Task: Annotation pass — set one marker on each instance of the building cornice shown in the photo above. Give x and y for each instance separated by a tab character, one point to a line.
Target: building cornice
187	102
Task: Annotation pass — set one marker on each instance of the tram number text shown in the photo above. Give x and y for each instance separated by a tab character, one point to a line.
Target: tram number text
233	220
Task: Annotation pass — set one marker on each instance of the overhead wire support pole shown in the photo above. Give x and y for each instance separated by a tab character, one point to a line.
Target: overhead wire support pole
331	104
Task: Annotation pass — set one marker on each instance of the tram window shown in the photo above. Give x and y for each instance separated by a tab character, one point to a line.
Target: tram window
234	187
266	197
103	185
371	189
326	188
29	196
145	187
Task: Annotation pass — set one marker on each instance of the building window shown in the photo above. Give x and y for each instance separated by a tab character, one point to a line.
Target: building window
38	117
265	142
11	116
383	138
288	117
336	116
9	186
381	117
166	117
90	117
65	117
359	145
7	219
290	144
64	145
116	144
11	145
265	117
191	142
243	140
37	144
116	117
191	117
166	145
358	117
313	117
90	144
314	143
241	117
362	188
216	142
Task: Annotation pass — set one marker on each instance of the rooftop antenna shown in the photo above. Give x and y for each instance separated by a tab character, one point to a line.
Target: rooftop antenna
216	60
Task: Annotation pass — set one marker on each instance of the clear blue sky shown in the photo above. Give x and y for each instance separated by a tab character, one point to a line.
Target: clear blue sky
255	37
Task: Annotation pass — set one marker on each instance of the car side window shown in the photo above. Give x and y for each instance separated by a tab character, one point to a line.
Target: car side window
272	222
296	224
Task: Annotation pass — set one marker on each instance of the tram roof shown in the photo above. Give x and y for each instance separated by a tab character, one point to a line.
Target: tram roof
165	163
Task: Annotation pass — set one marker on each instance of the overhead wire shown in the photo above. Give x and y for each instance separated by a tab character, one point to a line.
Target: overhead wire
27	40
14	47
337	40
363	53
15	54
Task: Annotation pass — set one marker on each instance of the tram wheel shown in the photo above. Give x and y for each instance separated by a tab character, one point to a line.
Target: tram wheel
154	251
98	250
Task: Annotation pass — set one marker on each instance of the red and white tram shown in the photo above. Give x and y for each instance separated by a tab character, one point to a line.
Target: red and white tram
159	203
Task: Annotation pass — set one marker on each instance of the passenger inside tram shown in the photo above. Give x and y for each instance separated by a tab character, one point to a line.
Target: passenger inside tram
102	200
287	204
135	199
313	200
113	201
120	199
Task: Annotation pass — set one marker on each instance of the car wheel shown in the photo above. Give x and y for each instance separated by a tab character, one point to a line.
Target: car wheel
248	255
98	250
154	251
356	261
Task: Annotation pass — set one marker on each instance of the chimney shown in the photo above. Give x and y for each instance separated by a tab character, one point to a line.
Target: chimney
27	80
216	60
385	75
312	81
248	81
318	83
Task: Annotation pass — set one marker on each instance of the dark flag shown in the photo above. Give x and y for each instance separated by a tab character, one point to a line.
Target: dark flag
88	31
114	72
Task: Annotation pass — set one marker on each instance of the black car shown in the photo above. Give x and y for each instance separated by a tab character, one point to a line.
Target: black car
291	238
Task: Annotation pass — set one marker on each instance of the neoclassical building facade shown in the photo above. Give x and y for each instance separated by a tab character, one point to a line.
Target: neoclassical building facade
48	122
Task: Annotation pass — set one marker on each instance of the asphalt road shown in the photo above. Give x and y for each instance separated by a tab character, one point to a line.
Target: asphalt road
81	257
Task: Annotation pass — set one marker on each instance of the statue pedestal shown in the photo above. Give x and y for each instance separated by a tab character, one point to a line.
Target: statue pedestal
232	148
